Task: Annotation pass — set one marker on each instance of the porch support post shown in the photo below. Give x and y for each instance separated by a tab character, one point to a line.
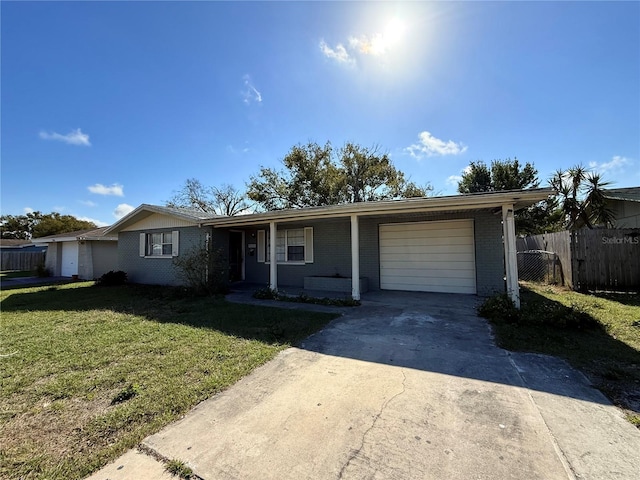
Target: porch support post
510	256
273	266
355	258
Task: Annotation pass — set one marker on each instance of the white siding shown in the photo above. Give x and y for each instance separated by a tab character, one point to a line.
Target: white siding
157	220
428	256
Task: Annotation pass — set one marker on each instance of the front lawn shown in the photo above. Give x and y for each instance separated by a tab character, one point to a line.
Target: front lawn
87	372
597	333
18	273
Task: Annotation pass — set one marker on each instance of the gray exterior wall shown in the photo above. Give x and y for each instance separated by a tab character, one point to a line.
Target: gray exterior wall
161	270
53	260
331	255
627	213
104	257
332	251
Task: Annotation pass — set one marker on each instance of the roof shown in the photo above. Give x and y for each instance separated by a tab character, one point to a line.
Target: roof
196	217
14	243
89	234
472	201
631	194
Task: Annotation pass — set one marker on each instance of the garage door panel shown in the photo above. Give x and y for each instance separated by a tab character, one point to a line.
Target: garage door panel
401	282
417	253
458	270
426	234
434	226
426	286
434	256
428	242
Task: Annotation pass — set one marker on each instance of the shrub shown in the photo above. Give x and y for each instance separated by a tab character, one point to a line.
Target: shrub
265	293
111	279
202	270
499	307
542	313
42	271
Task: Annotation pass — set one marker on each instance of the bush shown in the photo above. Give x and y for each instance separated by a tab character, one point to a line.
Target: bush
42	271
542	313
499	307
202	270
112	278
267	293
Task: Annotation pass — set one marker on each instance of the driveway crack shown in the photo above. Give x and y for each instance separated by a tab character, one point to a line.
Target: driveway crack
356	452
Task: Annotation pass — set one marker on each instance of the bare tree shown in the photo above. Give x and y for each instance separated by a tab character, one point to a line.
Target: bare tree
223	200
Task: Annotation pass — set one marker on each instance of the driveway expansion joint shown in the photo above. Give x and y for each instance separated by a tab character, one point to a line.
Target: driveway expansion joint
158	457
571	473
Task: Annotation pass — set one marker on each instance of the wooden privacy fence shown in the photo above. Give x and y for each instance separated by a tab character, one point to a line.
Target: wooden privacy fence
593	259
22	260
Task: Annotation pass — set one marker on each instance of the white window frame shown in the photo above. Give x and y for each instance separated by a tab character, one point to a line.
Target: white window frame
263	253
146	244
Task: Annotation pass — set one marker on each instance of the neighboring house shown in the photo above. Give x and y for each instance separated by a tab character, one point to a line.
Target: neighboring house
15	245
86	253
438	244
21	254
625	204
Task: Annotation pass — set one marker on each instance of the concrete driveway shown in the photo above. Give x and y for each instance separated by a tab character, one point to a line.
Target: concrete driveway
408	386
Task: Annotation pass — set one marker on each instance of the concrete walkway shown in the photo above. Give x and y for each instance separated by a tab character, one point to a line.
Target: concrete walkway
406	386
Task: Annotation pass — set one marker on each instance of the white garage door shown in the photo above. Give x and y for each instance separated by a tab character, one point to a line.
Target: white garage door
428	256
69	264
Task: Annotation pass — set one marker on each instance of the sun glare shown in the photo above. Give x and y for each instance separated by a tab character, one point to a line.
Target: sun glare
380	43
394	32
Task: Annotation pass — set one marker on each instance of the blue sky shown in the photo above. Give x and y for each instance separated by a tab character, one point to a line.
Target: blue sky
107	105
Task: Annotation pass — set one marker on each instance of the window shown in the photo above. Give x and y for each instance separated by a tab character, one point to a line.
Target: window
292	246
162	244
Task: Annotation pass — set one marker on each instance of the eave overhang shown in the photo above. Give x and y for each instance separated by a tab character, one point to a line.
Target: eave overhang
476	201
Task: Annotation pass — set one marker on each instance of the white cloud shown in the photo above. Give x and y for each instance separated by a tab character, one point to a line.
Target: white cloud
122	210
616	164
453	180
88	203
75	137
100	189
98	223
237	151
339	54
26	210
430	146
250	93
374	45
379	44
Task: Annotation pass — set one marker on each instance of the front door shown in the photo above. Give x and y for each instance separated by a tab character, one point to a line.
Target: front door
236	251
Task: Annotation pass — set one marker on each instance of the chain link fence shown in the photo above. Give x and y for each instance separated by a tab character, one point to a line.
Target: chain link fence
540	266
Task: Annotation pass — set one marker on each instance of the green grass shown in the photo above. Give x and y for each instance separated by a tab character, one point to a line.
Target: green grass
178	468
88	372
597	333
18	273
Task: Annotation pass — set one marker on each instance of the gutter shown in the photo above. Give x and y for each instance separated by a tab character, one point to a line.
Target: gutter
417	205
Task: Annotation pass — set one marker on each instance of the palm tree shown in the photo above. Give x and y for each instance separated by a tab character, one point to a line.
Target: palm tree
581	195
